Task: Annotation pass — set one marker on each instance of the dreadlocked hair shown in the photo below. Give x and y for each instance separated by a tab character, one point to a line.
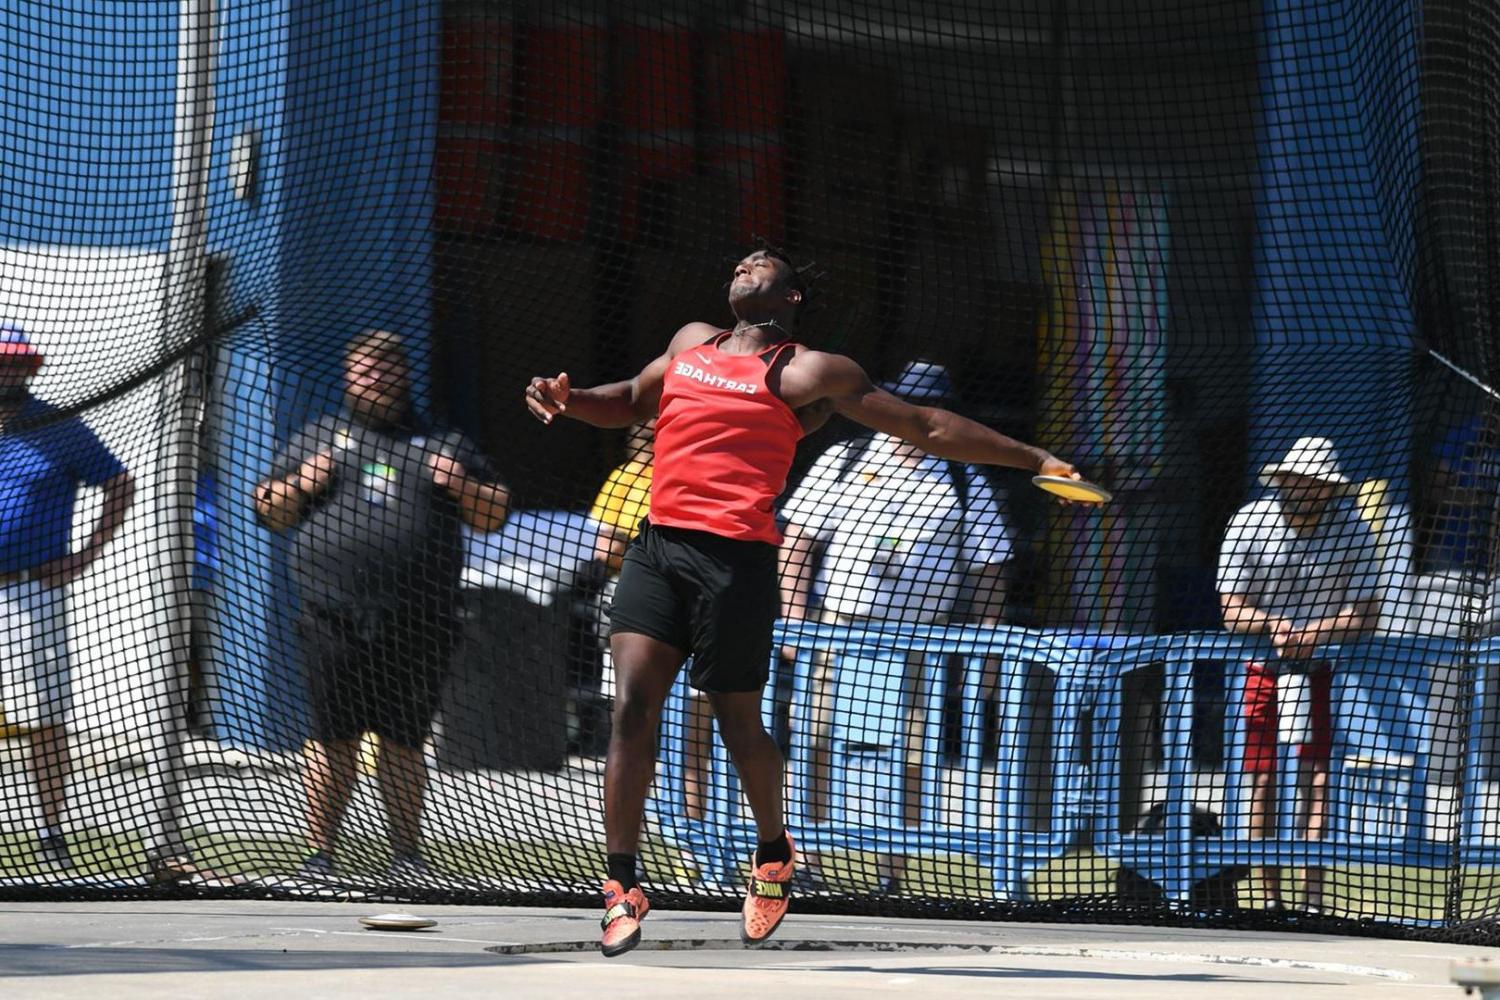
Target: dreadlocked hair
806	277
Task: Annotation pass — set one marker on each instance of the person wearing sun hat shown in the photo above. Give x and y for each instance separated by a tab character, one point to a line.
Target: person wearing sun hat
43	460
1302	568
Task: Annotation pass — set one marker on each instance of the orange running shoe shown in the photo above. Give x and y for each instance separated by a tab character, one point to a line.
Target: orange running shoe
769	895
623	913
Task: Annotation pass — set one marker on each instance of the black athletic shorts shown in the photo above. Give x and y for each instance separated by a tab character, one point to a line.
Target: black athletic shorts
377	671
716	598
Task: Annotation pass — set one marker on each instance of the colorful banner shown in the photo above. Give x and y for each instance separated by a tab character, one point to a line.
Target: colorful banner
1102	365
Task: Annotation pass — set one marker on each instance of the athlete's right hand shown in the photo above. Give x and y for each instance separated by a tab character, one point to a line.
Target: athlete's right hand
547	397
314	475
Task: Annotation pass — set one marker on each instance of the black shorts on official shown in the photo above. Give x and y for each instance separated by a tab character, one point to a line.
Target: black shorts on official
379	672
716	598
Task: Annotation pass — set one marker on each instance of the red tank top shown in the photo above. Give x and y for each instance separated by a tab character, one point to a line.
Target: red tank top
724	444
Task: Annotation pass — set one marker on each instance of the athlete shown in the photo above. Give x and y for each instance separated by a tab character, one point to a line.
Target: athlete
701	577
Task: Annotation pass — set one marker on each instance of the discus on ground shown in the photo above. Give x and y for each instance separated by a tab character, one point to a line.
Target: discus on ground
396	922
1073	489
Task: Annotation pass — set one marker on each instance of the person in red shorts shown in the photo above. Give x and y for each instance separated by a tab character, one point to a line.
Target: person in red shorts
1301	568
700	578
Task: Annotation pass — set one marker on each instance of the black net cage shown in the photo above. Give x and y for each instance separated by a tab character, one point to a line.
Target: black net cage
299	598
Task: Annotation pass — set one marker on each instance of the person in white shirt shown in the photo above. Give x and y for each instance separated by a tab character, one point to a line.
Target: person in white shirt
1302	568
895	533
881	531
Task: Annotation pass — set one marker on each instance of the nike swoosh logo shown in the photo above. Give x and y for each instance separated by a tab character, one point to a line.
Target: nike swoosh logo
706	361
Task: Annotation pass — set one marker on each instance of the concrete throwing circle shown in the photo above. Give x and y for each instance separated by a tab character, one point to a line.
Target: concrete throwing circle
970	948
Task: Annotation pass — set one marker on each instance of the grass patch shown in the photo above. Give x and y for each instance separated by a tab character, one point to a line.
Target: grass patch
94	854
946	876
1076	874
1388	893
549	861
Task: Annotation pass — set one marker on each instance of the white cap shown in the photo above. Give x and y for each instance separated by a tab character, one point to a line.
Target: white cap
1312	457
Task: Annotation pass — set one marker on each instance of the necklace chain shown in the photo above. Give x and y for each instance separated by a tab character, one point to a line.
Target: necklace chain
759	326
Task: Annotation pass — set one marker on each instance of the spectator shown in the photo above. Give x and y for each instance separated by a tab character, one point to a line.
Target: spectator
43	460
879	530
1301	568
372	497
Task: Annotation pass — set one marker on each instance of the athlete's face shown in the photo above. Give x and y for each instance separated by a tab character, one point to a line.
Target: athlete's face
763	279
376	383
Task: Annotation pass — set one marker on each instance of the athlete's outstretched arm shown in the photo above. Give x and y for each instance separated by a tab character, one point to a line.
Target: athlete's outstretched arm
617	404
936	431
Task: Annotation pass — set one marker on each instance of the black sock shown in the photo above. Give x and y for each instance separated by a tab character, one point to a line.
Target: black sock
779	849
622	870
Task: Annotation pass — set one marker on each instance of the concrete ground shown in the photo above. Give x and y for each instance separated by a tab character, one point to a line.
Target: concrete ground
115	951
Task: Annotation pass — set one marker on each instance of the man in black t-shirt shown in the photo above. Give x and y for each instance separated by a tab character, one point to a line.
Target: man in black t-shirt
373	497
